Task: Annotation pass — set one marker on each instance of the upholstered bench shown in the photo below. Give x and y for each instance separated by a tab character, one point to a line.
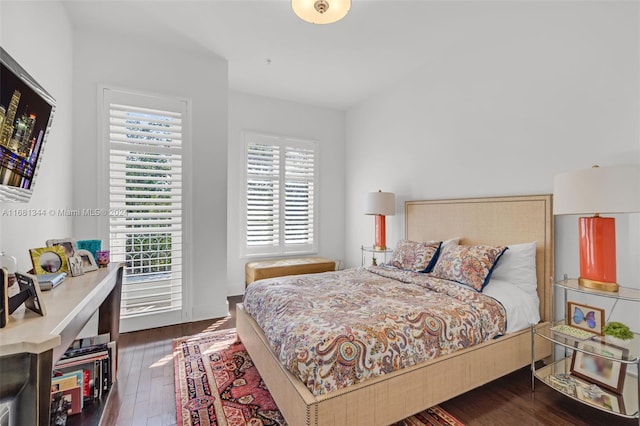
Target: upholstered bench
291	266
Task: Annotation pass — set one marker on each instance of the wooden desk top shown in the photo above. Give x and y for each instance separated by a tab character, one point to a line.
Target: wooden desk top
26	331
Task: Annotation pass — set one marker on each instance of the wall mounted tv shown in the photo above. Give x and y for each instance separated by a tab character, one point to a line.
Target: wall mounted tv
26	112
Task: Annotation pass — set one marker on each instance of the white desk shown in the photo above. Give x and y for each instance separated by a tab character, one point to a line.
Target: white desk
30	344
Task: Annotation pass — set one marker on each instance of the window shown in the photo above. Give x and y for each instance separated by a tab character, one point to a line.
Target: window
145	145
280	196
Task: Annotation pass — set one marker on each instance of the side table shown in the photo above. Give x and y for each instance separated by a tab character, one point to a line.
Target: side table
372	252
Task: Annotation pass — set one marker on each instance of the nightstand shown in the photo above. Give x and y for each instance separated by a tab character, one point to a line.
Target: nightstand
377	256
567	374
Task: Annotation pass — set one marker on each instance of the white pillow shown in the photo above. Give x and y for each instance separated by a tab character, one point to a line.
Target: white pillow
450	242
518	266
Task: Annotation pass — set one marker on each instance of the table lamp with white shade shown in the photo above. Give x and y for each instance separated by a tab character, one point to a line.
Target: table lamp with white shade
598	190
380	204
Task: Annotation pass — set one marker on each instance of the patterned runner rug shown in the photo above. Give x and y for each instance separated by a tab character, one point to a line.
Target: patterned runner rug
217	384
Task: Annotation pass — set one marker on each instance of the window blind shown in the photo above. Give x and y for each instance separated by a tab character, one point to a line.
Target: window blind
299	190
145	181
280	192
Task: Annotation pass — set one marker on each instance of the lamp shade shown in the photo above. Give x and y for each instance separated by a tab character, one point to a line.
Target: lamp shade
321	11
380	203
597	190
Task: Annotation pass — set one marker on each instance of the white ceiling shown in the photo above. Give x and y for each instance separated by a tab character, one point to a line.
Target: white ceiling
273	53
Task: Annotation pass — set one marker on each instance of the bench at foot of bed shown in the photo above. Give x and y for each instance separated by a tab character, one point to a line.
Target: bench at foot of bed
261	269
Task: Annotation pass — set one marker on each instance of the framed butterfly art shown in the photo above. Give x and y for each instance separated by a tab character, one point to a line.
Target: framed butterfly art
585	317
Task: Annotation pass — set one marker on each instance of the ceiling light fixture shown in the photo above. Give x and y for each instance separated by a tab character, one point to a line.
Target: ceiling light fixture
321	11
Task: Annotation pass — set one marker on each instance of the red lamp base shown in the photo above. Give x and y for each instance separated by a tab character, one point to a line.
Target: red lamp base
598	253
381	243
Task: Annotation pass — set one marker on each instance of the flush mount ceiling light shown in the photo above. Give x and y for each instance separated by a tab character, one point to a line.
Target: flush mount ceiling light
321	11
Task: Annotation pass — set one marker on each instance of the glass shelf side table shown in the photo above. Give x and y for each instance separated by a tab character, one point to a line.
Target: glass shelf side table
371	251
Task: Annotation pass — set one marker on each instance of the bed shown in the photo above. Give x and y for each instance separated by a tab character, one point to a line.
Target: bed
390	397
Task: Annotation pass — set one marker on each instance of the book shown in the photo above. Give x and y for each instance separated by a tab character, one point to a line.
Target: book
74	399
59	375
86	381
113	356
49	281
90	341
64	382
92	361
76	352
572	332
85	357
97	380
105	374
91	379
59	409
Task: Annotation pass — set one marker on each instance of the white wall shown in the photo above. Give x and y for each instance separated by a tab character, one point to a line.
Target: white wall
511	94
326	126
112	59
38	36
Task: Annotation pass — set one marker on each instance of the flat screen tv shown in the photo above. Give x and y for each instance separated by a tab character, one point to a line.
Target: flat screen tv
26	112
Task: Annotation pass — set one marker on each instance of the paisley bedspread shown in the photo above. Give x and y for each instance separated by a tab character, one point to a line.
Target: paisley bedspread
338	328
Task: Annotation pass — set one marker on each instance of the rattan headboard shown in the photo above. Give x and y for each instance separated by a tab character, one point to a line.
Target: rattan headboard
495	220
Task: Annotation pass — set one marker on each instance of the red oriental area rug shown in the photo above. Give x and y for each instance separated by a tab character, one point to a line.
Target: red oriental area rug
217	384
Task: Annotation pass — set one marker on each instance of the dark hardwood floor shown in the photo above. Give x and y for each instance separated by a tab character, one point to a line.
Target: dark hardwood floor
144	392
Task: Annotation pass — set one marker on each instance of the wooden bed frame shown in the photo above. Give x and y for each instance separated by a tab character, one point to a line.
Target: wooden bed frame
390	398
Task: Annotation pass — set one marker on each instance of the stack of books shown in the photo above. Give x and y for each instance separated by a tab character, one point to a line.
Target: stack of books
85	372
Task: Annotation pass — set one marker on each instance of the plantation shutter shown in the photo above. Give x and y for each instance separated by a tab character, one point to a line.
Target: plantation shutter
146	181
298	211
280	192
263	195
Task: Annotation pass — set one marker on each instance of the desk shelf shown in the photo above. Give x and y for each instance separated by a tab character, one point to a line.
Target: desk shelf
30	344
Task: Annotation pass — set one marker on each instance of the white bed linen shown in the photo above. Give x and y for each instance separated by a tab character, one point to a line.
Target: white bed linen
522	308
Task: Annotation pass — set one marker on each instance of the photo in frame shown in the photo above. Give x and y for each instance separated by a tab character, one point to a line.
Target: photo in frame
606	373
75	265
69	244
602	399
92	245
88	262
48	260
585	317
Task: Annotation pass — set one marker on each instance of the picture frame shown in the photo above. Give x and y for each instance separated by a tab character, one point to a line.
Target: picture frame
585	317
4	297
48	260
593	368
69	244
20	169
602	399
92	245
28	283
75	266
88	261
